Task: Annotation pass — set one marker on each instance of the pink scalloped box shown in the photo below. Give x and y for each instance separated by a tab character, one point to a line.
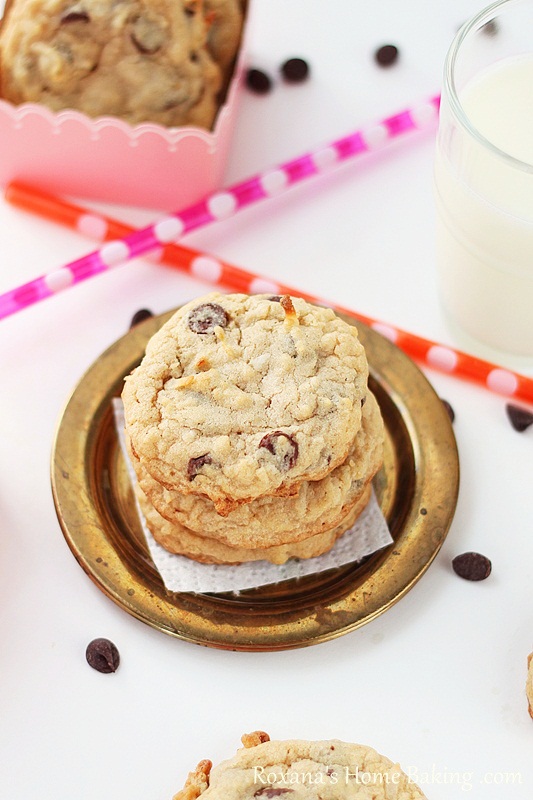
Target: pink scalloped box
107	159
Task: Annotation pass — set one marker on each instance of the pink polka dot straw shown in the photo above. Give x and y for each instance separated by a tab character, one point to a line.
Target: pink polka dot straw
215	271
218	206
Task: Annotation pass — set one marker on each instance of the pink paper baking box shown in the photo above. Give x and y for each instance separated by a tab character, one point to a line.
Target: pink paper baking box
107	159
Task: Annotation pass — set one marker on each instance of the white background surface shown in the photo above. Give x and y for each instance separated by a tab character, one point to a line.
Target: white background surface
438	681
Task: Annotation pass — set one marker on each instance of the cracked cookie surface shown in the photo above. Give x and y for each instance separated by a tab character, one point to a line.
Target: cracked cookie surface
267	521
241	396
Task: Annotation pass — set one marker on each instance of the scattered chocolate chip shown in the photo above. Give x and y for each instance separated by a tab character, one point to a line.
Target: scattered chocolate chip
449	409
272	791
275	298
102	655
194	58
283	446
472	566
204	318
140	316
386	55
490	27
520	418
258	81
363	401
295	70
75	16
195	465
423	511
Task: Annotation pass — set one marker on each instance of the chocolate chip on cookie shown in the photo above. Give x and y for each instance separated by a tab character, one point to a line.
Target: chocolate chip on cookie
272	791
283	446
472	566
75	14
206	317
195	465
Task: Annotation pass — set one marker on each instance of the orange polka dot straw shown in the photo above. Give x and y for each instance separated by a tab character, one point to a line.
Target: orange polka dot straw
215	271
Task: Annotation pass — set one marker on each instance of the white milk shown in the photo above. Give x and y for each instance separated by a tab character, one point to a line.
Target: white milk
485	212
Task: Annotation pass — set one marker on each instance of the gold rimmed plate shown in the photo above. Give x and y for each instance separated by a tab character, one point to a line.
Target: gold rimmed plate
416	488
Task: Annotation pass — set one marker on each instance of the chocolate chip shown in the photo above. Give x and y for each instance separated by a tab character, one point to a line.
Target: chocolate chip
195	465
140	316
272	791
449	409
520	418
283	446
490	28
386	55
472	566
204	318
275	298
258	81
295	70
75	16
102	655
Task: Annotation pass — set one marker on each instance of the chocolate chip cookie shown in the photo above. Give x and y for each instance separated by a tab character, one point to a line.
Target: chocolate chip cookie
180	540
241	396
300	770
141	60
267	521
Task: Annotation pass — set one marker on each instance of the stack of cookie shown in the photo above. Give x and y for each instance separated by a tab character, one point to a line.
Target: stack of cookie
252	430
163	61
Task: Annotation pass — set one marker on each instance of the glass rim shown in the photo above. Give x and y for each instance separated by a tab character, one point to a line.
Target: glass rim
475	22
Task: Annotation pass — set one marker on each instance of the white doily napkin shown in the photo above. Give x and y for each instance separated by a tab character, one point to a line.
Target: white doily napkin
180	574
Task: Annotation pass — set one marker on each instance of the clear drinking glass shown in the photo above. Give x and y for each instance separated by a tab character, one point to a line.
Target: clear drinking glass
484	184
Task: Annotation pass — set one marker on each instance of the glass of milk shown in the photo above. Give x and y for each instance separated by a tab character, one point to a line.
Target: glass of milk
484	184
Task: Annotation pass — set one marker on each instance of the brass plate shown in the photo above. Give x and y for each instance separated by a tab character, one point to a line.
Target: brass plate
416	487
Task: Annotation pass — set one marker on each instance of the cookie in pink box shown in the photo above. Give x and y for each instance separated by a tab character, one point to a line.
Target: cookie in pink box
129	102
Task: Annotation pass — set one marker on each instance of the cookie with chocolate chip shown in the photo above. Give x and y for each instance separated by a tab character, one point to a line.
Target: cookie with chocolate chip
178	539
269	521
140	60
300	769
242	396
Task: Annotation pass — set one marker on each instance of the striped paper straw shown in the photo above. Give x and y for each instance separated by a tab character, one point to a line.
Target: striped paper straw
215	271
219	205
